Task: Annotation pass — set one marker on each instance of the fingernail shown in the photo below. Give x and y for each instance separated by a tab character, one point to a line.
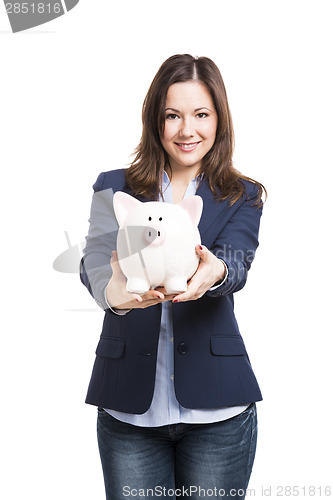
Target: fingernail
175	301
200	247
137	300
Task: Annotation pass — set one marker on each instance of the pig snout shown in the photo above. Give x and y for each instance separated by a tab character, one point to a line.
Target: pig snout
154	235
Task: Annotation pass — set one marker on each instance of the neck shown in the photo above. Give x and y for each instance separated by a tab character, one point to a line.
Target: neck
181	175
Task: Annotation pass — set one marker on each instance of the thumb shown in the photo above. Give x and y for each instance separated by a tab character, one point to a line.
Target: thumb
116	269
201	251
114	262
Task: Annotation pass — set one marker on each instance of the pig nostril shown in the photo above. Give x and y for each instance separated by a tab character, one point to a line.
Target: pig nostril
158	233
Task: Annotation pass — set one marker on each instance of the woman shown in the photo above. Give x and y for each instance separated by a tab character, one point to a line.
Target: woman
172	379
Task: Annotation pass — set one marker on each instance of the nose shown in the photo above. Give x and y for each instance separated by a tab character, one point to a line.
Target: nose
187	128
154	235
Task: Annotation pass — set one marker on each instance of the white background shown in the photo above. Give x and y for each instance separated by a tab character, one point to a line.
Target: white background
71	96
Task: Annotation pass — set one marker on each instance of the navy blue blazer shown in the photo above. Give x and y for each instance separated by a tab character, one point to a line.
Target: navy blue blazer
212	367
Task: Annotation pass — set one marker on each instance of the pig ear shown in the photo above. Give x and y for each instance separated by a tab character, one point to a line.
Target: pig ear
193	206
122	204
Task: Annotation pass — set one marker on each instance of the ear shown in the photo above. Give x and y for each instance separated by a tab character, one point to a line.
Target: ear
122	204
193	206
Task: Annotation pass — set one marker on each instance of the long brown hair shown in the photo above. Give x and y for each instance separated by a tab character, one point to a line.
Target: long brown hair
144	176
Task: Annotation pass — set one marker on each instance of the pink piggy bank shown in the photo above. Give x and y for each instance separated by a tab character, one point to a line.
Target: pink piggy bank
156	242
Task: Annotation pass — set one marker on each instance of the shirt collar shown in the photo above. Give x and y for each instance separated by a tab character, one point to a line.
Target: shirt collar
166	180
167	190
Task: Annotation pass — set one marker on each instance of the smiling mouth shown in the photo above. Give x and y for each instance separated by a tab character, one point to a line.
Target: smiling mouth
187	146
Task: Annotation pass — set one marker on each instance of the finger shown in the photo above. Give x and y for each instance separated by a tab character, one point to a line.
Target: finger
136	297
150	302
154	294
190	294
129	301
166	295
161	289
150	295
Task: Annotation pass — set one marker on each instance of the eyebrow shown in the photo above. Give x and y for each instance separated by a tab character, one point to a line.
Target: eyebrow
197	109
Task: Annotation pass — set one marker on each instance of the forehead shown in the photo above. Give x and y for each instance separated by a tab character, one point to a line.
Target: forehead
192	94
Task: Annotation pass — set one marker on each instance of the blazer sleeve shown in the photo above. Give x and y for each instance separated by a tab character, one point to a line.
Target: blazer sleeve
95	268
236	244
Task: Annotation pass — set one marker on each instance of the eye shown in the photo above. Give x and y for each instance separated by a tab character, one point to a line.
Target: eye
202	115
160	218
149	218
171	116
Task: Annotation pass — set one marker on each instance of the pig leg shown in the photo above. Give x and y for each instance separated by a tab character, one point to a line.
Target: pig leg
154	265
137	285
137	281
175	284
175	280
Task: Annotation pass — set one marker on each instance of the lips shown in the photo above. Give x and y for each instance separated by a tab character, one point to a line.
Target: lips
187	146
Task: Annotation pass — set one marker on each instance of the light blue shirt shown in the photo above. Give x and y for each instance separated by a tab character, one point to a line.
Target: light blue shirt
165	409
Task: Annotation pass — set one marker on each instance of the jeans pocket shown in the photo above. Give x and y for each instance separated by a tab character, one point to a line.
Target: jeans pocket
101	412
248	411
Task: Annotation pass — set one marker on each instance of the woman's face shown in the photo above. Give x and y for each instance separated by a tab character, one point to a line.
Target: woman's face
190	125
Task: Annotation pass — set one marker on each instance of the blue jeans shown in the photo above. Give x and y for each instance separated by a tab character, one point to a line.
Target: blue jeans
177	461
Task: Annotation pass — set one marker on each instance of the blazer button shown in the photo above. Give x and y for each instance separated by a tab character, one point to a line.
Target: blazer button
182	348
146	352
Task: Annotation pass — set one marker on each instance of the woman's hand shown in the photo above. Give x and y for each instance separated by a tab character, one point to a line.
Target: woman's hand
210	271
119	298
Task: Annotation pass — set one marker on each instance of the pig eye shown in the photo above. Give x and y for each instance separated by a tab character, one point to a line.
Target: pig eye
149	218
160	218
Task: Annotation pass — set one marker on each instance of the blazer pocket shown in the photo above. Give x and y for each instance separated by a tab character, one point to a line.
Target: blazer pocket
227	346
109	347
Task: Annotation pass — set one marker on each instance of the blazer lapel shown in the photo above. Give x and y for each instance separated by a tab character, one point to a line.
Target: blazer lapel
211	207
